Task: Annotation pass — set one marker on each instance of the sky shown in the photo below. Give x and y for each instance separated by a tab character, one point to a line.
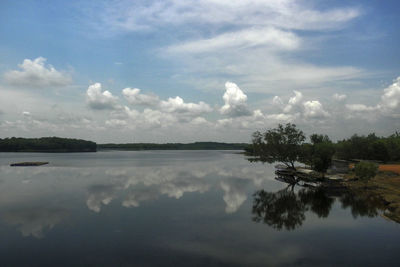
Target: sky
185	71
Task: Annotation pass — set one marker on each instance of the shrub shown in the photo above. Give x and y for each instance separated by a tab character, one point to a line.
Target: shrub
366	170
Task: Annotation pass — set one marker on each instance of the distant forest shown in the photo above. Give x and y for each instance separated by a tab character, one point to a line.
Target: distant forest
57	144
46	144
370	147
174	146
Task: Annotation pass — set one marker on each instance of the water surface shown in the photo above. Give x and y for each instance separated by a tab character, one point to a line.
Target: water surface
179	208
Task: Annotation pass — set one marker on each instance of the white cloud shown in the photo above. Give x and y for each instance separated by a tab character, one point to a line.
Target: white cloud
177	105
360	107
270	37
34	221
26	113
281	117
298	108
294	101
389	104
34	73
199	121
277	101
222	30
100	195
390	99
234	194
339	97
153	118
314	110
116	123
98	99
136	98
287	14
235	101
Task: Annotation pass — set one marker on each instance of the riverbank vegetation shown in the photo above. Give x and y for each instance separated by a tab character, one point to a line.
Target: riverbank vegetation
174	146
287	144
57	144
46	144
368	177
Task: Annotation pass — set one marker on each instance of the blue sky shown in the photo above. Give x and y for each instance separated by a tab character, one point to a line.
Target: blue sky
158	71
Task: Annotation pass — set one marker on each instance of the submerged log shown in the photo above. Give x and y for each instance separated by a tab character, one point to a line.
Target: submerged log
25	164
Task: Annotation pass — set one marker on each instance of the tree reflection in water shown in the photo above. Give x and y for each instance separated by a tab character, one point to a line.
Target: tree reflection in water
282	209
362	206
286	208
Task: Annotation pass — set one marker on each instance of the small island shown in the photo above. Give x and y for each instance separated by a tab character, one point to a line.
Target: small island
30	163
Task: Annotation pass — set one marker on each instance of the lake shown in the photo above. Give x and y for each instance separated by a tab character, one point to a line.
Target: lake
179	208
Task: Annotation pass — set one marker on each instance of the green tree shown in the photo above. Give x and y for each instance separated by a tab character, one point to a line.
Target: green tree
318	155
281	144
366	170
322	156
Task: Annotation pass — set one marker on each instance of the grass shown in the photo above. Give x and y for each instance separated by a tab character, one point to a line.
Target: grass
385	167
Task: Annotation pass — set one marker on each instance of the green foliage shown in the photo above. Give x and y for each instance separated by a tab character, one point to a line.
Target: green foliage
282	144
366	170
319	153
46	144
370	147
306	154
322	156
319	138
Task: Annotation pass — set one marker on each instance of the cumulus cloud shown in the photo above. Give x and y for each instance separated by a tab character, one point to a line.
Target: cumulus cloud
34	73
339	97
297	107
294	101
388	105
390	99
235	101
314	110
177	105
98	99
136	98
153	118
277	101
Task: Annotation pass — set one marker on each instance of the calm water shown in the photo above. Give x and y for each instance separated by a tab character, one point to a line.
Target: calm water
179	208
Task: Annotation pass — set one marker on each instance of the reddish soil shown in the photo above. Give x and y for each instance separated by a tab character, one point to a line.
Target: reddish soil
390	167
385	167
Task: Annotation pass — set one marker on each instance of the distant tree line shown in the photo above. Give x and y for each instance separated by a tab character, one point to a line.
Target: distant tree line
174	146
46	144
370	147
288	145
